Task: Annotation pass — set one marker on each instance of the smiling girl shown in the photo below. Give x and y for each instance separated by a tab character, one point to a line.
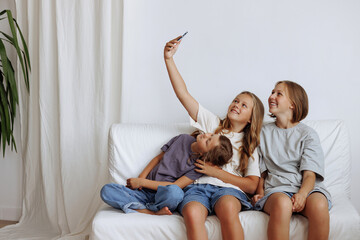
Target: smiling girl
223	191
292	166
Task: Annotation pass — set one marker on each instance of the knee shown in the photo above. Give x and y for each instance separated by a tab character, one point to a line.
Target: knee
108	190
193	214
317	209
227	208
228	205
283	204
174	193
105	190
279	205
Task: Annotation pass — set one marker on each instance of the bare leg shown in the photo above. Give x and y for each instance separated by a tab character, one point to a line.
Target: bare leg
227	209
194	216
316	210
279	207
163	211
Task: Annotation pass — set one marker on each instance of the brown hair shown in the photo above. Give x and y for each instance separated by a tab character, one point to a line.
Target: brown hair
220	154
251	131
298	98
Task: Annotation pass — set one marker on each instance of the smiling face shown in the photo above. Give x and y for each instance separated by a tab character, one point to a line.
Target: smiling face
279	102
240	110
205	142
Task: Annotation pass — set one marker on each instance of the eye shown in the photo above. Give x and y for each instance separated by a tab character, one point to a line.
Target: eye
279	94
244	105
236	101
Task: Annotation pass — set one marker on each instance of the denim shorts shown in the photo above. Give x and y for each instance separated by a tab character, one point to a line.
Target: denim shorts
208	195
259	205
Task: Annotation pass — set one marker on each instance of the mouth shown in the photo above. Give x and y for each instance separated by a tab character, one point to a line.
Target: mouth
272	104
234	111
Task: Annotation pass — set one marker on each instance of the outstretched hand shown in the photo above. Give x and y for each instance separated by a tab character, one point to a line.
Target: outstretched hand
206	168
171	48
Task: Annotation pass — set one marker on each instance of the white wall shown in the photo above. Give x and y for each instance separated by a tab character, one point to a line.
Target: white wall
11	165
245	45
231	46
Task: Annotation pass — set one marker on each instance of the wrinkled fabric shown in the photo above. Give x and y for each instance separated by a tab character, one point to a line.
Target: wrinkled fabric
127	141
75	91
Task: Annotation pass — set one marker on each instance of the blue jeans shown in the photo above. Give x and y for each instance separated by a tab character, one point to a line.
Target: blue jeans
208	195
126	199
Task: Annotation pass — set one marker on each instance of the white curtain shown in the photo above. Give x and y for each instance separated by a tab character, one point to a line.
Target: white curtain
75	93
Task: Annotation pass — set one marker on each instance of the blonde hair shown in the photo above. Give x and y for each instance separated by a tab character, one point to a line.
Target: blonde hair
251	131
298	98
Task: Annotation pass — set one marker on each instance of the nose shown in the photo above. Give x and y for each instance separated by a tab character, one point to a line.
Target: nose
236	104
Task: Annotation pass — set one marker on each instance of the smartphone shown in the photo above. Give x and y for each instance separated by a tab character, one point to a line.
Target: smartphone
182	36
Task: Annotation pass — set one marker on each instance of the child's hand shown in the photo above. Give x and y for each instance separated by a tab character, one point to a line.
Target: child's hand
298	200
256	198
171	48
206	168
134	183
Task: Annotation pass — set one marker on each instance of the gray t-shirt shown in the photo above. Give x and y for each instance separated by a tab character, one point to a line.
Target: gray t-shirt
285	153
177	161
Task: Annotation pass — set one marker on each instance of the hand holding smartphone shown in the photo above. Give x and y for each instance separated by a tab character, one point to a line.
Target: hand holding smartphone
182	36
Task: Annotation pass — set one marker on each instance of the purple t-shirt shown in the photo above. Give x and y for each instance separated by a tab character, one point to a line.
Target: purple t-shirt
178	160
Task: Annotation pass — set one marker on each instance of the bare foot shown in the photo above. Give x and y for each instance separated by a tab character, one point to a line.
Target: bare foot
164	211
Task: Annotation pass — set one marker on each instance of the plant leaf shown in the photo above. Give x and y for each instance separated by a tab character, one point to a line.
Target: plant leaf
6	118
16	44
8	89
24	44
7	36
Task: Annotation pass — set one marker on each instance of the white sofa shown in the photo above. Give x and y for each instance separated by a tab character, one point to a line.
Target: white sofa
131	146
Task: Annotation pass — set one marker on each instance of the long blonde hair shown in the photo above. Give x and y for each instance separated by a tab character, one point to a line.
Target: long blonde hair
251	131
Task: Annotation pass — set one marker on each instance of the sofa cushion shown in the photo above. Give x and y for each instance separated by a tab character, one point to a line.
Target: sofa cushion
132	146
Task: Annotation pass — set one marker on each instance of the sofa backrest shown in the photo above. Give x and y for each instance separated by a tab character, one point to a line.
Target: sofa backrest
132	146
335	142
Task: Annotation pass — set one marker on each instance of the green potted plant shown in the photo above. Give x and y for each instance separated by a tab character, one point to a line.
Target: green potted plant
8	82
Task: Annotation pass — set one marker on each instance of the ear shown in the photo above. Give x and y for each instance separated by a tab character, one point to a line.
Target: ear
292	106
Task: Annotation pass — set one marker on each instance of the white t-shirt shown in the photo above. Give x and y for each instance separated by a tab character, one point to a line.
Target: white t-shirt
208	123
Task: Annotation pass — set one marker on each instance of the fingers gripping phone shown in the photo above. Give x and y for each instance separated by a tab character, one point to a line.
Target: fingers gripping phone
182	36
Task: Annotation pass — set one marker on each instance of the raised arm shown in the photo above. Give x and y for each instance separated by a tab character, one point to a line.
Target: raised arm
177	82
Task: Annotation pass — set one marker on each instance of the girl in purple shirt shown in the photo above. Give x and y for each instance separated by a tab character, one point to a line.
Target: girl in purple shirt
158	189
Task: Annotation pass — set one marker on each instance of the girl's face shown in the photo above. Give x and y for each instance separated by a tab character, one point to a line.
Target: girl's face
279	102
207	141
240	109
